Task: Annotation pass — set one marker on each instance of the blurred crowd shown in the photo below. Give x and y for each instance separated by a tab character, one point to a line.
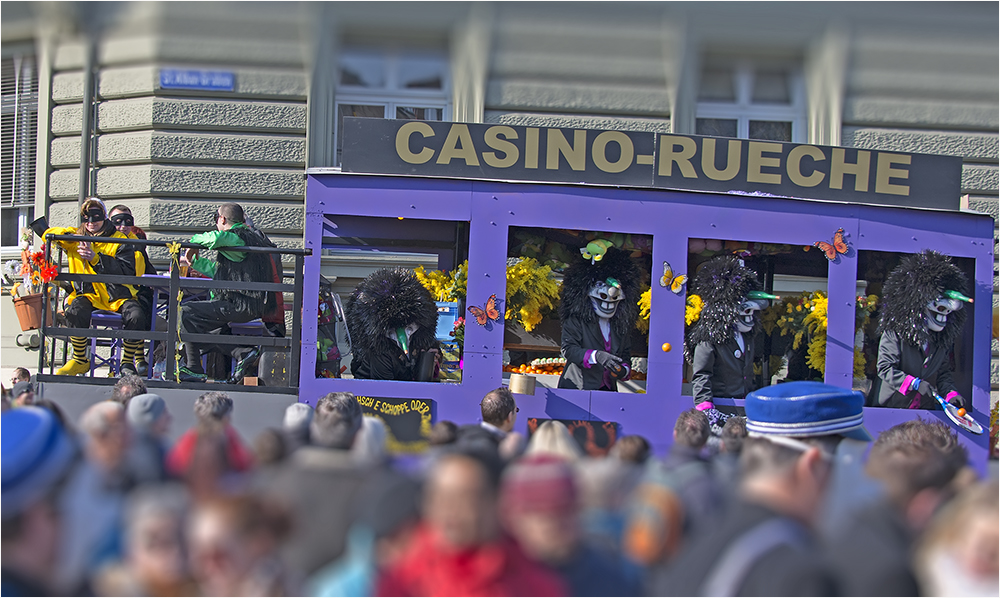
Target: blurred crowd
316	506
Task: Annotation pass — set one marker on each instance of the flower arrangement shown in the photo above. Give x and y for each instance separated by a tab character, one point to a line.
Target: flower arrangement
805	318
531	289
458	332
32	271
445	286
642	322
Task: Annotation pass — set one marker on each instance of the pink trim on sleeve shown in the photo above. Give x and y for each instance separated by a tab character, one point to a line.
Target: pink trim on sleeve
951	395
704	406
586	358
907	383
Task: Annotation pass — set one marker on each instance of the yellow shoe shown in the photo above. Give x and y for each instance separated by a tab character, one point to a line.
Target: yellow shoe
74	367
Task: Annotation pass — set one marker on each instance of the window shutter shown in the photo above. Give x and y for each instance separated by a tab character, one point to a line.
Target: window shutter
20	130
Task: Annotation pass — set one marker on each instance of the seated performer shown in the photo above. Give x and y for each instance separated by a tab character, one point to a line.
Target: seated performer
226	306
97	257
921	316
121	217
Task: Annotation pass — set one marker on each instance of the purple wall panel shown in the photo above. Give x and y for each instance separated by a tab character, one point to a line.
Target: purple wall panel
672	218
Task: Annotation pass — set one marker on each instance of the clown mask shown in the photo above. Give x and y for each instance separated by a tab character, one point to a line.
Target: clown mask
748	314
605	296
937	312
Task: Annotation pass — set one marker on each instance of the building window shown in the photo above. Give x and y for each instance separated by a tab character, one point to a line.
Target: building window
751	101
391	84
19	111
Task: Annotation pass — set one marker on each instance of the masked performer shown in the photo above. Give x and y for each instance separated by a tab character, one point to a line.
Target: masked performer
392	319
720	345
97	257
921	318
598	311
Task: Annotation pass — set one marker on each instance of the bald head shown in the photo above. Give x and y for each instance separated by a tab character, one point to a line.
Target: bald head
460	503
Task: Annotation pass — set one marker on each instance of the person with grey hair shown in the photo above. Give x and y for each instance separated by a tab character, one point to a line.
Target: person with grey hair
295	426
150	421
321	480
108	440
127	387
213	411
370	444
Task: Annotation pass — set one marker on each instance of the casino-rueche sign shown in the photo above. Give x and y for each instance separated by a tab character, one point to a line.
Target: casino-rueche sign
647	159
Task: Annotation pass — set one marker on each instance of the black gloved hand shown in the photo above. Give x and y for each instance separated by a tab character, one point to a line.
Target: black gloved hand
958	401
926	389
610	362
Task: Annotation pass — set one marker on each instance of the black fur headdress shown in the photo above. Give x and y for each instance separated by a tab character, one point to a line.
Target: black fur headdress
388	299
723	284
582	275
915	282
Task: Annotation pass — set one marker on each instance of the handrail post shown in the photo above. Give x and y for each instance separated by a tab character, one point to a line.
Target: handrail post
172	315
296	348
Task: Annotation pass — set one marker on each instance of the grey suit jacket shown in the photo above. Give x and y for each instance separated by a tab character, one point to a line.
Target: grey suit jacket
718	372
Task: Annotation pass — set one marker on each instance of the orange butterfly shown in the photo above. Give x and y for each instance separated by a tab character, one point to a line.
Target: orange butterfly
839	245
489	313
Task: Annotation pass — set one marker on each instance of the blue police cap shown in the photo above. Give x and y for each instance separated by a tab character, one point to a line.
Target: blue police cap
806	409
35	453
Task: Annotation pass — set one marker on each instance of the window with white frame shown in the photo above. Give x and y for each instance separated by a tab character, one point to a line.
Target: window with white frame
391	83
19	112
751	100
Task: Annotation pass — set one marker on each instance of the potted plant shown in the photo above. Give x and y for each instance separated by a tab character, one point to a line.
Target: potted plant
28	275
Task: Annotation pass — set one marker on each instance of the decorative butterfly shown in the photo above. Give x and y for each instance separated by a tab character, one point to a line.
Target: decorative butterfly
488	313
668	280
839	246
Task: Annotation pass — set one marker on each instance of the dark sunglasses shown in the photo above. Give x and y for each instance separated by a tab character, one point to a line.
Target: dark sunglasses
123	220
92	217
216	217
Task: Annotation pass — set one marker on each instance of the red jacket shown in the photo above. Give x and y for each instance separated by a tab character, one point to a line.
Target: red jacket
496	569
179	458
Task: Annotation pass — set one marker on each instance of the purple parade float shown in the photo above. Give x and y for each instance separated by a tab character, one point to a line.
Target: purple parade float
838	218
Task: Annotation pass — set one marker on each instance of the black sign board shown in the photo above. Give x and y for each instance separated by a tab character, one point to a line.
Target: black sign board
646	159
407	421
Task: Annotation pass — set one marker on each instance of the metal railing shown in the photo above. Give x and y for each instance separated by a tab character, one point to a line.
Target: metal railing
170	337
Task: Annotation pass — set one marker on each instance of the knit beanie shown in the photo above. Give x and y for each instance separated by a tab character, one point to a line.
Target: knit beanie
35	453
538	483
143	410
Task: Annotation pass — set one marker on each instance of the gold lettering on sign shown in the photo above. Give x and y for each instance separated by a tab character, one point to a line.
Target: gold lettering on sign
677	150
795	165
556	143
708	160
756	161
600	151
496	139
531	147
860	169
458	134
885	171
403	142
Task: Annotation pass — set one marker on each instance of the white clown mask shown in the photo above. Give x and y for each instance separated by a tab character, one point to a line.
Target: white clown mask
937	312
605	296
755	302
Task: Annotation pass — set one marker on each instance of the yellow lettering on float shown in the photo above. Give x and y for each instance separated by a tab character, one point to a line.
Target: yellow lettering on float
496	139
794	166
600	151
576	154
708	160
458	135
885	171
677	150
531	147
403	142
756	161
860	169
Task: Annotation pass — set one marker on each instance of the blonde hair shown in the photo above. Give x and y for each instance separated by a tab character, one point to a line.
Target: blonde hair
554	438
89	204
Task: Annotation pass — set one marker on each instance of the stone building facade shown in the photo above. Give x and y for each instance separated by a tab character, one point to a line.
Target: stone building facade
909	77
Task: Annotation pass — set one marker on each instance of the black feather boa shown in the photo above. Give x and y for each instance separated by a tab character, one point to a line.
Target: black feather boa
581	276
388	299
915	282
723	284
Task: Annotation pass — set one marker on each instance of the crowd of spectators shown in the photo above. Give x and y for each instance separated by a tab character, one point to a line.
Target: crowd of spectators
316	506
